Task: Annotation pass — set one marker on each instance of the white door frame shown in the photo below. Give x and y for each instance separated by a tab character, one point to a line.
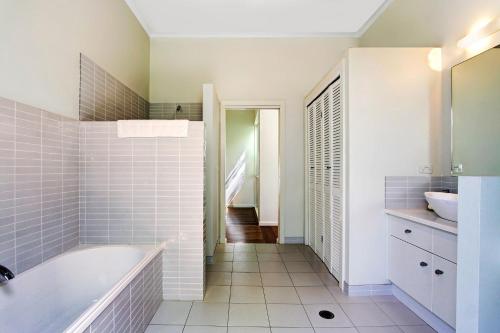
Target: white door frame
280	106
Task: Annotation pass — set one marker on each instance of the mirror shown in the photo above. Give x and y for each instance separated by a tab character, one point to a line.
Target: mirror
476	115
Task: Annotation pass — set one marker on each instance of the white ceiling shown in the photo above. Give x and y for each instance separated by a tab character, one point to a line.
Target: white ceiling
255	17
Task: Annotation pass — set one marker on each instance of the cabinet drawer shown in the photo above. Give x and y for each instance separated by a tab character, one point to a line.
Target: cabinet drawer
444	245
444	281
410	269
410	232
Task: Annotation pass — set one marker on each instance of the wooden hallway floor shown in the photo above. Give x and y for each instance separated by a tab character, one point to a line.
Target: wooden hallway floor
242	226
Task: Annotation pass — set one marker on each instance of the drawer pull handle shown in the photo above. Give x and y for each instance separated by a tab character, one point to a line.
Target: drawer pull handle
423	264
407	231
438	272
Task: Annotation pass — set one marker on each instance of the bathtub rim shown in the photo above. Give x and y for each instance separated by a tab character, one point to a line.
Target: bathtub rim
91	314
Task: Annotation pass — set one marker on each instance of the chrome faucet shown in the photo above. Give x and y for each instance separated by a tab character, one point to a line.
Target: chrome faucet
5	274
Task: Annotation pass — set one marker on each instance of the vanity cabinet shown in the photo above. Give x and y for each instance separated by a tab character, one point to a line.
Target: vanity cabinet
422	263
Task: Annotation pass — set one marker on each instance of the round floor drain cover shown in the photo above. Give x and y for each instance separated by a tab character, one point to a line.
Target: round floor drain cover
326	314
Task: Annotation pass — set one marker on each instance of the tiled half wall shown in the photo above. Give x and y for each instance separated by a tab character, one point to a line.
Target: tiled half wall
103	97
144	191
38	185
190	111
135	306
408	192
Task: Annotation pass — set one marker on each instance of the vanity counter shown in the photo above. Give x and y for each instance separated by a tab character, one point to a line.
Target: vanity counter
425	217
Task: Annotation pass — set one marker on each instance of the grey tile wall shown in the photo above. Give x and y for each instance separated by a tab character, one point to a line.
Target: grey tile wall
103	97
190	111
143	191
39	185
408	192
135	306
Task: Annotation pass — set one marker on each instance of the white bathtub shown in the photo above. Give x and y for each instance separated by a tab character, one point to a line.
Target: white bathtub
68	292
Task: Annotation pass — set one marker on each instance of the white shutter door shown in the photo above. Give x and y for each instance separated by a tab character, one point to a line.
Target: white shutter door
311	174
337	198
327	177
318	168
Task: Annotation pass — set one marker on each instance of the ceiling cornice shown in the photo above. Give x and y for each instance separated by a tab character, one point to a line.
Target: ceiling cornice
357	34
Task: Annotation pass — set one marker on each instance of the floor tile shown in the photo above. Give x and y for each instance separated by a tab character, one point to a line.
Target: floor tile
221	248
239	247
219	278
341	297
204	329
366	314
272	267
319	267
400	314
268	257
417	329
305	279
287	315
283	295
335	330
217	294
246	266
222	257
164	329
209	314
249	330
266	248
276	280
246	294
384	298
292	330
247	279
172	313
298	267
287	248
386	329
292	256
220	267
340	319
248	315
245	256
314	295
328	279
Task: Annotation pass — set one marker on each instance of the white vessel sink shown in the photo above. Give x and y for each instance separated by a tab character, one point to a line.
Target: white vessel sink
444	204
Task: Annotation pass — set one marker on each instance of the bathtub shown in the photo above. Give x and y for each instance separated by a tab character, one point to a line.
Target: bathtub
91	288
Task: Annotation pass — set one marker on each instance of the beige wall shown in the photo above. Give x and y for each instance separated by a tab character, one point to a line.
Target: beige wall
436	23
41	40
391	104
251	69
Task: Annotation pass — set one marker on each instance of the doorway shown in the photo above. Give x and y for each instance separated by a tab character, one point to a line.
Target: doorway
250	166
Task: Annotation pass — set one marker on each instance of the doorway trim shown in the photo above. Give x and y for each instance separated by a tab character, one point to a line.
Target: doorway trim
243	104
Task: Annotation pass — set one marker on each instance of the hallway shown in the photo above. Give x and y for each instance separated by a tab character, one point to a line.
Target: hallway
242	226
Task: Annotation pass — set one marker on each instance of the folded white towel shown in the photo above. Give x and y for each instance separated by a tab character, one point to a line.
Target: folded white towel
152	128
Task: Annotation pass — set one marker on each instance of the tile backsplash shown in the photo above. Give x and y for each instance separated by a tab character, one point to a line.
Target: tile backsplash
408	192
39	185
190	111
143	191
104	98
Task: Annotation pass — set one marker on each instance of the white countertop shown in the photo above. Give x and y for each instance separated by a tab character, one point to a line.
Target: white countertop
425	217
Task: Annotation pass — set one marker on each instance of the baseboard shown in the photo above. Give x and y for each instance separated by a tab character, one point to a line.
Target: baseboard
241	206
268	223
426	315
368	289
294	240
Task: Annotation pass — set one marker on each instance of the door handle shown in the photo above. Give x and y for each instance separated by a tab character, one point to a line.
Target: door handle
407	231
438	272
423	264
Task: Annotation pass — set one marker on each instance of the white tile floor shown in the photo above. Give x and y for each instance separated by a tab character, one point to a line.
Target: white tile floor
268	288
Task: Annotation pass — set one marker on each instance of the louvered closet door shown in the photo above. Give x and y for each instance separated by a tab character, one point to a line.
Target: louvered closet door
311	174
318	169
326	100
337	186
